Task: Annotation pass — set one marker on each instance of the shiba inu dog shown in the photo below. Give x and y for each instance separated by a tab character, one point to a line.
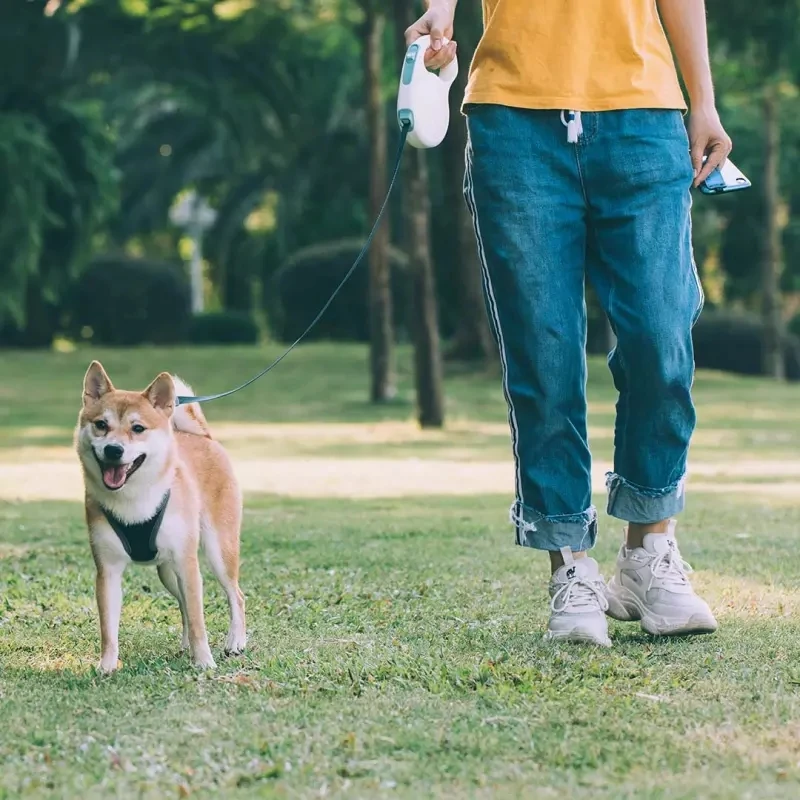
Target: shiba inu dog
157	486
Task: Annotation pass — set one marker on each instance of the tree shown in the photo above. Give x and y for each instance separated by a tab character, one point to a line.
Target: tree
772	258
473	338
428	377
765	40
246	103
380	287
56	177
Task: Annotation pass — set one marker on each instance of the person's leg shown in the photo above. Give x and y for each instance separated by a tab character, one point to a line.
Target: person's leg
524	192
638	175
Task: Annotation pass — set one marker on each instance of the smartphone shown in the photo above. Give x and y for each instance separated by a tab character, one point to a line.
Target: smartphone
727	179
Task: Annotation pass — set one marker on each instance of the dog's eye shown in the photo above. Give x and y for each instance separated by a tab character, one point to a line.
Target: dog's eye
138	428
101	424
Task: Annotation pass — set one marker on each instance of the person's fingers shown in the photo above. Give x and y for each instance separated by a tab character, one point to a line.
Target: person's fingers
440	59
433	23
414	32
716	155
728	147
698	151
437	36
439	23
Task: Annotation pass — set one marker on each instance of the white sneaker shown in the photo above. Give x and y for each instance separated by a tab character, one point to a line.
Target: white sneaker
651	584
578	603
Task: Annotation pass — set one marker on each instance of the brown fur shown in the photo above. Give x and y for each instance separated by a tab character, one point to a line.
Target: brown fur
204	505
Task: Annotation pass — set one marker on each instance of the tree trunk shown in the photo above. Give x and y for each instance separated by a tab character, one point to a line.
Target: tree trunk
771	262
40	317
380	289
473	339
424	314
235	277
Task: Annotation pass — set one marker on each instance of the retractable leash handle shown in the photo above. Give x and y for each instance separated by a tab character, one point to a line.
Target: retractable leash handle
422	99
423	114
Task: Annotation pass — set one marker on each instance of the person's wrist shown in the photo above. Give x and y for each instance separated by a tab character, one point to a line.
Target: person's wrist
702	104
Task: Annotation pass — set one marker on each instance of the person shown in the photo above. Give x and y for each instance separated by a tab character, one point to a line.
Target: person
579	166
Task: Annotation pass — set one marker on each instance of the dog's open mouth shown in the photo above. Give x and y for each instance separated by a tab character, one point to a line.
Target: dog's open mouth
115	476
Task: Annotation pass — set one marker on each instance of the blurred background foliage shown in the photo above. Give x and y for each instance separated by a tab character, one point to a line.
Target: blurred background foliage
281	115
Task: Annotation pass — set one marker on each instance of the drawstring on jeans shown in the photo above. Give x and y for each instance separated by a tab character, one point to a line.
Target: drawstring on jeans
574	125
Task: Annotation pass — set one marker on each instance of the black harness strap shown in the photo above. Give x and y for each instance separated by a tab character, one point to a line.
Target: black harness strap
139	538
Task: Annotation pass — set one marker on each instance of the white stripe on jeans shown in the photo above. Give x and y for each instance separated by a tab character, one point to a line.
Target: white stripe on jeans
495	318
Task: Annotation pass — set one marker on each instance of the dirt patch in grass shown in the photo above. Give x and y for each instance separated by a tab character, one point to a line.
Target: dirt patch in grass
371	478
759	748
739	597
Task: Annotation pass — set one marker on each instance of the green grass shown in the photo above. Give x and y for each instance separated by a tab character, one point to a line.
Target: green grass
395	644
328	383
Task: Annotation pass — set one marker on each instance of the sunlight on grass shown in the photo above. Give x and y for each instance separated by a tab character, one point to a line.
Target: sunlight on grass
64	662
720	412
12	551
59	478
771	747
739	597
395	631
35	432
393	642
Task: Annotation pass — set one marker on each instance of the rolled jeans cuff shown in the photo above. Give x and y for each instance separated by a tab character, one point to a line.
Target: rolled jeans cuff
639	504
542	532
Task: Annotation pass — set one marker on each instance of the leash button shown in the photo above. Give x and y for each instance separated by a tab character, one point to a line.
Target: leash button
408	67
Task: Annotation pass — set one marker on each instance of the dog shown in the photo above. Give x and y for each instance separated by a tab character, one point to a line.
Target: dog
157	486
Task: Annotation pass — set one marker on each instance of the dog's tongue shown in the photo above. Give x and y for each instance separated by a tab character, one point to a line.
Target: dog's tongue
114	476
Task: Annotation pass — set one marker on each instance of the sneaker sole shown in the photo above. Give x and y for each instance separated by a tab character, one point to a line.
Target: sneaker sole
577	636
625	606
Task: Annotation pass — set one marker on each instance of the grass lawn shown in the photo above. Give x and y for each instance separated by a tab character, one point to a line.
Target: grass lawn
395	631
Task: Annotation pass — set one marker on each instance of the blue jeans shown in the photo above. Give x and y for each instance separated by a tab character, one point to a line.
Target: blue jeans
613	208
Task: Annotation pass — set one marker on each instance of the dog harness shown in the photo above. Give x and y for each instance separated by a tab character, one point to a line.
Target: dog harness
139	538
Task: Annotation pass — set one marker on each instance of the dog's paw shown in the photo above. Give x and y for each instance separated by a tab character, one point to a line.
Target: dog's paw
235	644
204	661
107	666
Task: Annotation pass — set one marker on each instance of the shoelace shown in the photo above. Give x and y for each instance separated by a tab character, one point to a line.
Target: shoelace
669	566
579	594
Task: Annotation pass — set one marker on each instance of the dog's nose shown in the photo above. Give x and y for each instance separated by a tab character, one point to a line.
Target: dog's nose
113	452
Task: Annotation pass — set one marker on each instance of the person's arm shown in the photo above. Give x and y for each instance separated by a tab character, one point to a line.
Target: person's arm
438	22
685	23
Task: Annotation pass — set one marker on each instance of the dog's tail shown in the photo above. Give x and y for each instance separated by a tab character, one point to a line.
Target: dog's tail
189	418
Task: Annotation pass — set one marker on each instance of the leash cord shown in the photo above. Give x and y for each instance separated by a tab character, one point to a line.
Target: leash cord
404	130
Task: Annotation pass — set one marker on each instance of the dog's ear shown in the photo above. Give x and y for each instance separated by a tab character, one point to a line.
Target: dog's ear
161	393
95	383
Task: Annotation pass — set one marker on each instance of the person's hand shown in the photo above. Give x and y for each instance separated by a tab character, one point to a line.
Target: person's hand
707	137
438	22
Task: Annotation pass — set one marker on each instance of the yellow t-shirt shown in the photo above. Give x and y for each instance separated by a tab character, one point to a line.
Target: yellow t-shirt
581	55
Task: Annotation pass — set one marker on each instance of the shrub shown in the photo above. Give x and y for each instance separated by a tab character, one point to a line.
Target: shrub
303	284
11	335
734	343
723	340
131	301
223	327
